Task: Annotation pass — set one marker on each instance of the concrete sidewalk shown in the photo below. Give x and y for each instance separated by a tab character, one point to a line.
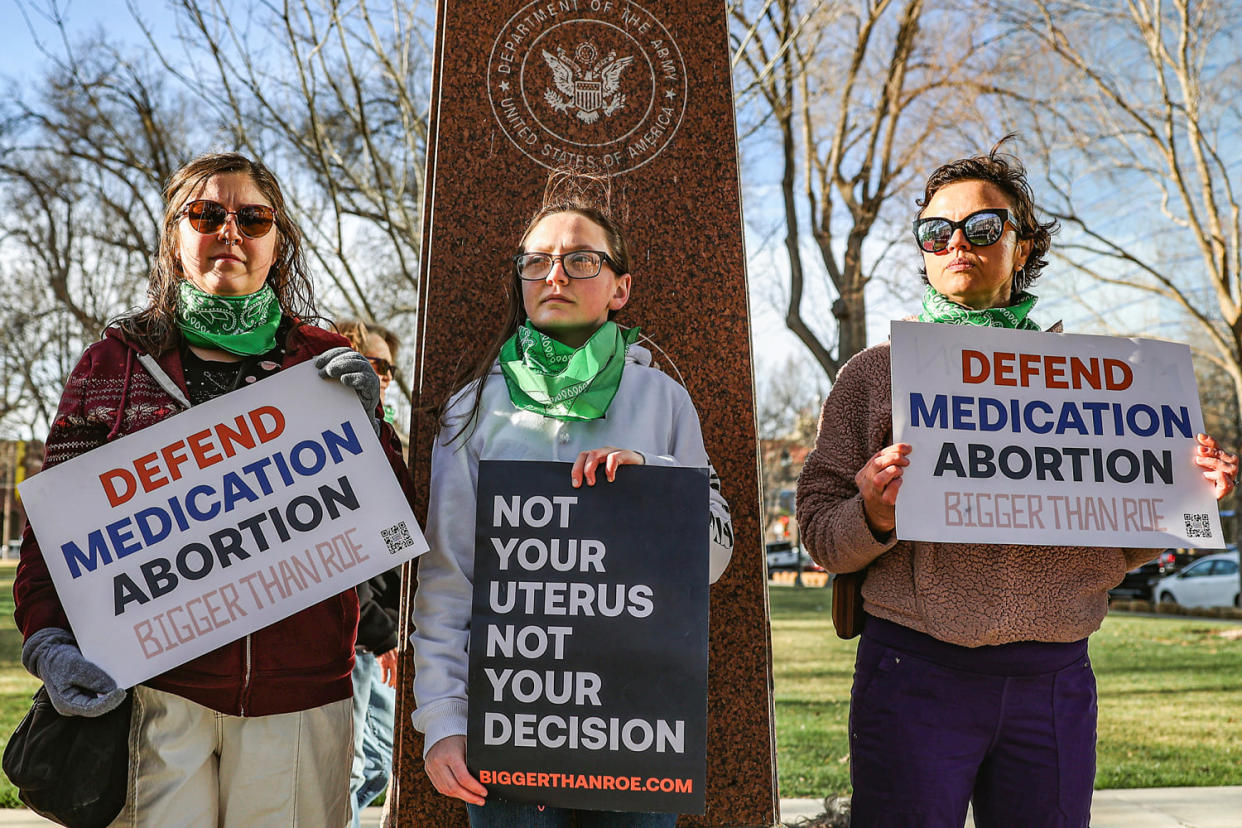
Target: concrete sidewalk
1134	808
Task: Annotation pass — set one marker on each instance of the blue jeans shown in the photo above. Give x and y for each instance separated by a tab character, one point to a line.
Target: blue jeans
375	707
499	813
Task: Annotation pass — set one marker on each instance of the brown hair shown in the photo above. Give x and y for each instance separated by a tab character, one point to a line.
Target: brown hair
1006	172
568	190
357	332
154	327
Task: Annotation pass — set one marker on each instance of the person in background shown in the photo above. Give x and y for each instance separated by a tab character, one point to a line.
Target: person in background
972	682
375	651
256	732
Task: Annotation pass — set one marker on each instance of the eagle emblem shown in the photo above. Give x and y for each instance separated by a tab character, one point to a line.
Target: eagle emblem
585	84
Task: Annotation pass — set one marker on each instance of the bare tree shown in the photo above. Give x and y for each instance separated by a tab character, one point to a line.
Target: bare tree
331	96
860	96
1140	137
82	157
335	93
788	402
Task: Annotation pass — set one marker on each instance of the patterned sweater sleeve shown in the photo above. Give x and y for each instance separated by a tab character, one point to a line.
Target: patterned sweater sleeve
855	423
74	431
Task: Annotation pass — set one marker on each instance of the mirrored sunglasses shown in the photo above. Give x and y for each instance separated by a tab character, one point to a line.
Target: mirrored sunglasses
981	228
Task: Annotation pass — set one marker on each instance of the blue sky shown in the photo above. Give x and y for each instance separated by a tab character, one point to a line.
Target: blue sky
19	57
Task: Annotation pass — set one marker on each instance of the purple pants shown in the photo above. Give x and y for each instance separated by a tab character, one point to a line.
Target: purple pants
935	726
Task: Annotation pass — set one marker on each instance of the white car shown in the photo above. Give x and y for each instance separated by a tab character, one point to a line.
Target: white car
1211	581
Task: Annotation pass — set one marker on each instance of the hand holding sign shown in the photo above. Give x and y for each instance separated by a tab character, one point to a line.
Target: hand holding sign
1219	466
610	456
446	768
878	482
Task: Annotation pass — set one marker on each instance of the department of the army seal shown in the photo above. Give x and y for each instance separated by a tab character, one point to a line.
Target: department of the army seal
594	83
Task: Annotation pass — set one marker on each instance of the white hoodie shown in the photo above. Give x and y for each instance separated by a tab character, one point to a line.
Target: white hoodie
651	414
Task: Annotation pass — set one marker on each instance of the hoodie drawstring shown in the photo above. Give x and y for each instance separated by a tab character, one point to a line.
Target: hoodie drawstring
120	409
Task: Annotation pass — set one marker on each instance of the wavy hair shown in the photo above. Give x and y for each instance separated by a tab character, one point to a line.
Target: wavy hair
1006	172
154	327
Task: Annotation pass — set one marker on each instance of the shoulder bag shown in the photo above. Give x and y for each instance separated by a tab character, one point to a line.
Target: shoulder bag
73	770
847	603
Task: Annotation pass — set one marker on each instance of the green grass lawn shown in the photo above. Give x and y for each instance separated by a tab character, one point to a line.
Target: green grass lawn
16	685
1170	699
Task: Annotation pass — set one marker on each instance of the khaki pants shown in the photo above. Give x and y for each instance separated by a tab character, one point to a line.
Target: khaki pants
191	767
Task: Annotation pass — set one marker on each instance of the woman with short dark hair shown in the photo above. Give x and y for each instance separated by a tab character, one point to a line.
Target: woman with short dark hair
972	681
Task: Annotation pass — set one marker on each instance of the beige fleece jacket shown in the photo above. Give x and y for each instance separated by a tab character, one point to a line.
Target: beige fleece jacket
966	594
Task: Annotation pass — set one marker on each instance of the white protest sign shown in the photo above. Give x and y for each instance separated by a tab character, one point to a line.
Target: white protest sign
1048	439
219	521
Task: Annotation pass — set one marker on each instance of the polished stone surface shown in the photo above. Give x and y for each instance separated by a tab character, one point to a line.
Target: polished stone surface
663	123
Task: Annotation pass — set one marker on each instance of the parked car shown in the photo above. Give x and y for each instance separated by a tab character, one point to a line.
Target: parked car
783	555
1211	581
1137	584
1172	560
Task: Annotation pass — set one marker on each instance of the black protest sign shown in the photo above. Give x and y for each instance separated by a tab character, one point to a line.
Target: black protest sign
588	643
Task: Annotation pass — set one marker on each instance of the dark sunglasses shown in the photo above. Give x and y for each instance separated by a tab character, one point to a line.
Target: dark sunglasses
981	228
382	366
254	221
578	264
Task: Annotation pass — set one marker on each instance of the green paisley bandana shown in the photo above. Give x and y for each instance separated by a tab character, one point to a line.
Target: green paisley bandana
552	379
937	308
244	325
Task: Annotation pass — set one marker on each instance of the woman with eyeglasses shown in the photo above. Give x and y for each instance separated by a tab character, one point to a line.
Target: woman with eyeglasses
256	732
562	381
972	682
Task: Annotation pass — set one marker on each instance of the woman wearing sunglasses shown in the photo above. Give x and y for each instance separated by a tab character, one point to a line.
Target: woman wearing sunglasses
256	732
972	681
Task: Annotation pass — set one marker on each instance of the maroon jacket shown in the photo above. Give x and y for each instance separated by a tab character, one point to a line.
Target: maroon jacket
301	662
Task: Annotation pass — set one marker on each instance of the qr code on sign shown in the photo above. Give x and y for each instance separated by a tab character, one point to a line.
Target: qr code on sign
397	537
1197	526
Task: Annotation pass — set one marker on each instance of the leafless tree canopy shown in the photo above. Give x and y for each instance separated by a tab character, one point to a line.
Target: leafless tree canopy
1139	131
861	98
331	96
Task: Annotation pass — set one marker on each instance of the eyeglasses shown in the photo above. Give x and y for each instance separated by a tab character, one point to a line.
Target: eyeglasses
578	264
981	228
254	221
382	366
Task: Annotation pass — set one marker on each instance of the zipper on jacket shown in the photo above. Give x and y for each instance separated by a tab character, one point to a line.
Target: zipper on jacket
245	694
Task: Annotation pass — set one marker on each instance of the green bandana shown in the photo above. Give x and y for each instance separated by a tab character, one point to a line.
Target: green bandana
555	380
243	325
938	308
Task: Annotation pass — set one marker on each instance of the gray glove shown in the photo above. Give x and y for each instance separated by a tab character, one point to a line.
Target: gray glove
77	687
355	371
